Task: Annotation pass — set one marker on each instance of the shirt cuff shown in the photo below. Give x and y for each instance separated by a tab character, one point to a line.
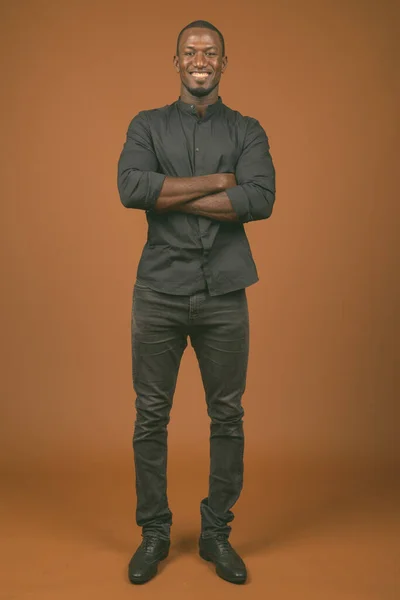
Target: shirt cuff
240	203
156	181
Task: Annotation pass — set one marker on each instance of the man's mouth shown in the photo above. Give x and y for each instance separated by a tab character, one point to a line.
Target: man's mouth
200	75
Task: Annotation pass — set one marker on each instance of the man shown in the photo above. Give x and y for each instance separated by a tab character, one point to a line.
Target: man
200	171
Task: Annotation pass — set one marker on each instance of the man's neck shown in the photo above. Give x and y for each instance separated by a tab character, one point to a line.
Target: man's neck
200	103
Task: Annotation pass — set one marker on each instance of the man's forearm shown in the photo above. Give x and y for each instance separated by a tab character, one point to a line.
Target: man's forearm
177	191
216	206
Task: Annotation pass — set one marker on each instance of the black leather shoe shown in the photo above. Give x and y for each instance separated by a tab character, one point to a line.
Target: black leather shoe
143	564
228	563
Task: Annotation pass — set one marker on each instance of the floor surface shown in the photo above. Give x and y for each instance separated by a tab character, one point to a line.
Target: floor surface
305	532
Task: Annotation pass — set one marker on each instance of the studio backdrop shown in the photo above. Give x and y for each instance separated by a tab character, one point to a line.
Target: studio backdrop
320	78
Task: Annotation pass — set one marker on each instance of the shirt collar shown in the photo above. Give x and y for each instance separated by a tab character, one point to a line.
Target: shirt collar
190	109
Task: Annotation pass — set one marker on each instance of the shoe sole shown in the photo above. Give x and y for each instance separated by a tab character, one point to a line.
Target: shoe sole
145	579
205	556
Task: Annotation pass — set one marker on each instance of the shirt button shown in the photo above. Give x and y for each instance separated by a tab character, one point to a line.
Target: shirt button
197	149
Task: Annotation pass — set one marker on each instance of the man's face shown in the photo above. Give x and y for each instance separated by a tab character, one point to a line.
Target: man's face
200	62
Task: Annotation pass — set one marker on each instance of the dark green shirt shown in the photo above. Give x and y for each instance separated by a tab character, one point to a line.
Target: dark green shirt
186	253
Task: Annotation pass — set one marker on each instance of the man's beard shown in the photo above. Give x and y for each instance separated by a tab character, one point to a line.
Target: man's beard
199	92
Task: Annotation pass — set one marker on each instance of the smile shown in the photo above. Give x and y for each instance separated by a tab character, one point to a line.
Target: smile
200	76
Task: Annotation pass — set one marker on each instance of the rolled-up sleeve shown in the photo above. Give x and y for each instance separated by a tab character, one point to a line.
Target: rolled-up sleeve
139	180
254	196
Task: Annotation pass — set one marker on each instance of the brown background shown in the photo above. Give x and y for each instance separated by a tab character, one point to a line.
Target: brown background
323	377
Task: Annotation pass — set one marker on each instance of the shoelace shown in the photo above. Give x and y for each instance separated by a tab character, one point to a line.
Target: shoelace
223	544
149	542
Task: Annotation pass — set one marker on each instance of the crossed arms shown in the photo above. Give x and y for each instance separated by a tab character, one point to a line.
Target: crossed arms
204	196
247	195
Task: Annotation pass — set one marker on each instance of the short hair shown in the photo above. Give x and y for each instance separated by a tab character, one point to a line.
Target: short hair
205	25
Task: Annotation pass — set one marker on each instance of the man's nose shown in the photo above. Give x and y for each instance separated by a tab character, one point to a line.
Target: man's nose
200	60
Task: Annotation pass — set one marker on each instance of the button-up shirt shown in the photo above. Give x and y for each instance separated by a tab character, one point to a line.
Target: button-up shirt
185	253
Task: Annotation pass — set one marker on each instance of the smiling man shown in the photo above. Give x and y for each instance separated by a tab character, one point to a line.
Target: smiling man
199	170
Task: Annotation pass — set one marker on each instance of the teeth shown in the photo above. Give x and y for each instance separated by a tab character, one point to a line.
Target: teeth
200	75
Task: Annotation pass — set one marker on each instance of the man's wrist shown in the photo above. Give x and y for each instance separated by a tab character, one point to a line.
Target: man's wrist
216	182
225	181
221	182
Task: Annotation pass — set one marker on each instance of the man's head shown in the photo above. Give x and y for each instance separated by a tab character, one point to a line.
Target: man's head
200	58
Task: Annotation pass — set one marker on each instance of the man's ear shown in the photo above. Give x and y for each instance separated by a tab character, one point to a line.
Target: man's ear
176	63
224	64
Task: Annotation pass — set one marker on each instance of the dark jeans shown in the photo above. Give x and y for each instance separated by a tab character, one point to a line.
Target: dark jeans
218	328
